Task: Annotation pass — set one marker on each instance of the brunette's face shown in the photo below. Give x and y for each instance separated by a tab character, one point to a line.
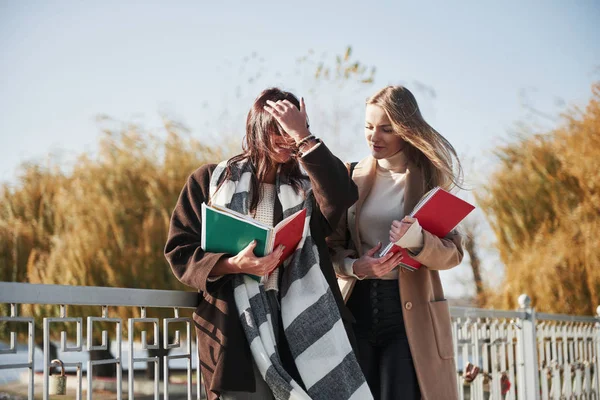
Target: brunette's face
379	133
282	148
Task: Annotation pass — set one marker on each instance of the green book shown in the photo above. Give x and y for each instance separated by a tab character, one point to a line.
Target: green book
227	231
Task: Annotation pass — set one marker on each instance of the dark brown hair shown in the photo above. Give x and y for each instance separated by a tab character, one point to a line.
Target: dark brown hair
258	144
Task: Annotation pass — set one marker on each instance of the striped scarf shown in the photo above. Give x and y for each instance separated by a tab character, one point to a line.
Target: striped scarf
312	323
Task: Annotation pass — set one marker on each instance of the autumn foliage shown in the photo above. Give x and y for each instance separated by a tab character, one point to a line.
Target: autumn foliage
543	203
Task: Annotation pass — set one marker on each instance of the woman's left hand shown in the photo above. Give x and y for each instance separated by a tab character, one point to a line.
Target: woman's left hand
292	120
399	228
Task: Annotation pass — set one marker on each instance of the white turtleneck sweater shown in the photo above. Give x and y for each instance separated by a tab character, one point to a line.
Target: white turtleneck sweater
385	204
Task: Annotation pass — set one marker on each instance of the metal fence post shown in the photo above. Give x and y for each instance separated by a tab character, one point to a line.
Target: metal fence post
597	356
527	357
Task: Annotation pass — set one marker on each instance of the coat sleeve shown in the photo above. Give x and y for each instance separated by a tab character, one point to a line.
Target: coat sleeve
440	253
189	262
340	247
341	251
333	189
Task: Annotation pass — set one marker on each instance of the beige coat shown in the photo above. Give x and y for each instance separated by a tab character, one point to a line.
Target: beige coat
426	312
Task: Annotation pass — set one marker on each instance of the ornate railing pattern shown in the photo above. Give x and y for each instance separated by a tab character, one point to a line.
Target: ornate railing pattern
519	354
489	340
526	355
15	294
568	352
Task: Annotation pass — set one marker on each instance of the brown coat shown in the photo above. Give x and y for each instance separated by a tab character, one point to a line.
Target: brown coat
426	313
225	358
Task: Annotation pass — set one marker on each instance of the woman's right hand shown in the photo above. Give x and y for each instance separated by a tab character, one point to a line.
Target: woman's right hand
245	262
293	121
369	267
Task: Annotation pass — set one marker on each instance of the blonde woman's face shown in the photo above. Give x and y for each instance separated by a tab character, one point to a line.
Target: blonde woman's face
379	133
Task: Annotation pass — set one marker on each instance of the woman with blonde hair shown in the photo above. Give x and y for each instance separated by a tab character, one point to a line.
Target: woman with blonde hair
402	318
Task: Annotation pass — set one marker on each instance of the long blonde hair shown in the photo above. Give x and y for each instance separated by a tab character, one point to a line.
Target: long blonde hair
427	148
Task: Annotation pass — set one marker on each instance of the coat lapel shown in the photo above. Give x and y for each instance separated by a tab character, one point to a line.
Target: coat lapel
413	191
414	188
363	176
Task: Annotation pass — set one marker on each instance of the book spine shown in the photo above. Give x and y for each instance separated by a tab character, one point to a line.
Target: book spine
203	239
270	241
386	250
407	267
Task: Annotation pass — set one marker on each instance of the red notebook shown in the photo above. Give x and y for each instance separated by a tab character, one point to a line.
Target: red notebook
289	233
438	213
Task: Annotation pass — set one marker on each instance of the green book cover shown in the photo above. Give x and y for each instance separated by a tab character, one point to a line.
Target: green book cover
226	231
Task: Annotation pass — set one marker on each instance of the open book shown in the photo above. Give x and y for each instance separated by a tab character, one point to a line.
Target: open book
227	231
438	213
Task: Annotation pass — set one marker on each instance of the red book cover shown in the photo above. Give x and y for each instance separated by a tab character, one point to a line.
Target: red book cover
289	233
438	213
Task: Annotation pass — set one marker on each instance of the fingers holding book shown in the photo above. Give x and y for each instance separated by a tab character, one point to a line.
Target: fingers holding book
245	262
399	228
369	266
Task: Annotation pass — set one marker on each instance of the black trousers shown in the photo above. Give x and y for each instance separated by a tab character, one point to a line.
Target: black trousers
383	351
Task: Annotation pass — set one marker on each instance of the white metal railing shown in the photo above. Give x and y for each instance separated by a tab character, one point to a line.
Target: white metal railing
489	340
521	354
527	355
15	294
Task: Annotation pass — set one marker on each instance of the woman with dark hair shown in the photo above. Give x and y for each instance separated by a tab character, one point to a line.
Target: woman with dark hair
289	337
402	318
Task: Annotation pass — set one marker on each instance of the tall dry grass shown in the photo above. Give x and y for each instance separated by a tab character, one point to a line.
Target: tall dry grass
543	204
104	222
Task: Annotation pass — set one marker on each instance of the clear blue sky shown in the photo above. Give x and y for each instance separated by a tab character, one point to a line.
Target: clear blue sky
65	62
